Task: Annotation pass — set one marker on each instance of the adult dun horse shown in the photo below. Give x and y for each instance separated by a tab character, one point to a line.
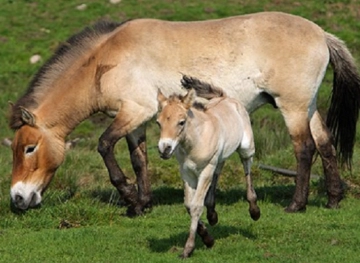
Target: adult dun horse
118	69
202	137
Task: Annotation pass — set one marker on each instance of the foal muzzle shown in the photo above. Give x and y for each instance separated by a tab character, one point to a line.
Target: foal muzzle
166	148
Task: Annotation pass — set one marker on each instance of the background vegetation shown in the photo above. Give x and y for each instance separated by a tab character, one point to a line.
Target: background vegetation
82	220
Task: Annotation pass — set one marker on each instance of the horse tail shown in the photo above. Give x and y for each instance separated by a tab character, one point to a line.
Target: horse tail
203	89
345	99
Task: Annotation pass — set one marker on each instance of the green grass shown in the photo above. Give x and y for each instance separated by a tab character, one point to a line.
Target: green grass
81	219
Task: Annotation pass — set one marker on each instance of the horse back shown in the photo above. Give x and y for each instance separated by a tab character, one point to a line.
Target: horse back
235	53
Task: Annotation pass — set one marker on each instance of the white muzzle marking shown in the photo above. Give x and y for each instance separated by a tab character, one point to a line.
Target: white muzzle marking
24	195
167	147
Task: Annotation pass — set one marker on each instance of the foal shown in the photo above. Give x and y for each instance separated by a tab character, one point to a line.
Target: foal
202	137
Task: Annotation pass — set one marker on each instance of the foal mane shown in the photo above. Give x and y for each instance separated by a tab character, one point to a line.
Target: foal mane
65	54
202	89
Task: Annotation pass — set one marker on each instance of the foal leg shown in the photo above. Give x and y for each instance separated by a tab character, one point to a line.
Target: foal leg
322	138
251	197
304	147
194	202
123	124
211	215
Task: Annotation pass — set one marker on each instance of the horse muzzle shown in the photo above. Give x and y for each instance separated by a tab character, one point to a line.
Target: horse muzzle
166	154
166	148
23	198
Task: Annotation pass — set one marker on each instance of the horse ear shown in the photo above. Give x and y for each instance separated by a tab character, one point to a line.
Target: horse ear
189	98
161	99
27	117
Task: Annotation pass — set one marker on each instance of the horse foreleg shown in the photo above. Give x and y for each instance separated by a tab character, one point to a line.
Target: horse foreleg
194	202
322	138
137	147
124	124
118	179
210	203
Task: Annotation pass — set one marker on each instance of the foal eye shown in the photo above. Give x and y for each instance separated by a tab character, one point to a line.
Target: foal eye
182	123
30	149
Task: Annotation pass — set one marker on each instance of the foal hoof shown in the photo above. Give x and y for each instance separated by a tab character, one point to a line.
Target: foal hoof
187	252
212	218
294	207
255	213
209	241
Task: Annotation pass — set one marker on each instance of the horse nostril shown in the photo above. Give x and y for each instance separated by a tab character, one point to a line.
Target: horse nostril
19	199
167	150
166	154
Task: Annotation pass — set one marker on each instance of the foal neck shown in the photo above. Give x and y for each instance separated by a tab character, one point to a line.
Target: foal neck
194	127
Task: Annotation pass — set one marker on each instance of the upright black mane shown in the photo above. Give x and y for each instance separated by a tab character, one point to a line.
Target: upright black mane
203	89
76	44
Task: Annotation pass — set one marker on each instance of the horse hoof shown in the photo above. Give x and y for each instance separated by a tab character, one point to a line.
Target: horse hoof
255	213
208	241
332	205
333	201
212	218
134	211
294	207
183	256
187	252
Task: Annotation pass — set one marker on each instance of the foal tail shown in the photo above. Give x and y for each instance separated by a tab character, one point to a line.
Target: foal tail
345	99
203	89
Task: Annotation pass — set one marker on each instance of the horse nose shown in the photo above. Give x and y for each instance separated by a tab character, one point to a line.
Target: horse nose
19	202
166	153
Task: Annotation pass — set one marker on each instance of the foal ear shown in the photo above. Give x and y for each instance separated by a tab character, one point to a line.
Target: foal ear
27	117
161	99
189	98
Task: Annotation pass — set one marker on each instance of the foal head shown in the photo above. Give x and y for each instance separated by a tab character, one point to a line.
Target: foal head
37	153
172	120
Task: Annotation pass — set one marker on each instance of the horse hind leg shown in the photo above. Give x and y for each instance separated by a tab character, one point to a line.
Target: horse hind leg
304	148
251	196
246	152
323	143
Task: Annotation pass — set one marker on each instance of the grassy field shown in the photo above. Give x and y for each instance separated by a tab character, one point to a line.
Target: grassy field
81	219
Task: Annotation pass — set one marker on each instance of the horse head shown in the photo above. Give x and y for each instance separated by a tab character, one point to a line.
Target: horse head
37	153
172	120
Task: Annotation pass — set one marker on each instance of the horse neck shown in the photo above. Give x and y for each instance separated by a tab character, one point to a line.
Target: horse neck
64	108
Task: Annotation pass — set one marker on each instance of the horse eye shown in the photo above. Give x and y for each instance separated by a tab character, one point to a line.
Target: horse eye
182	123
30	149
158	123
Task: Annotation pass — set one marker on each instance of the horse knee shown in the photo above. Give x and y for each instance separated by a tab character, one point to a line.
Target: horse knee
103	147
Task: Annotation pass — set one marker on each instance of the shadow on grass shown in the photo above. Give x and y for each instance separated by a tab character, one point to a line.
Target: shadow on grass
166	195
276	194
161	245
